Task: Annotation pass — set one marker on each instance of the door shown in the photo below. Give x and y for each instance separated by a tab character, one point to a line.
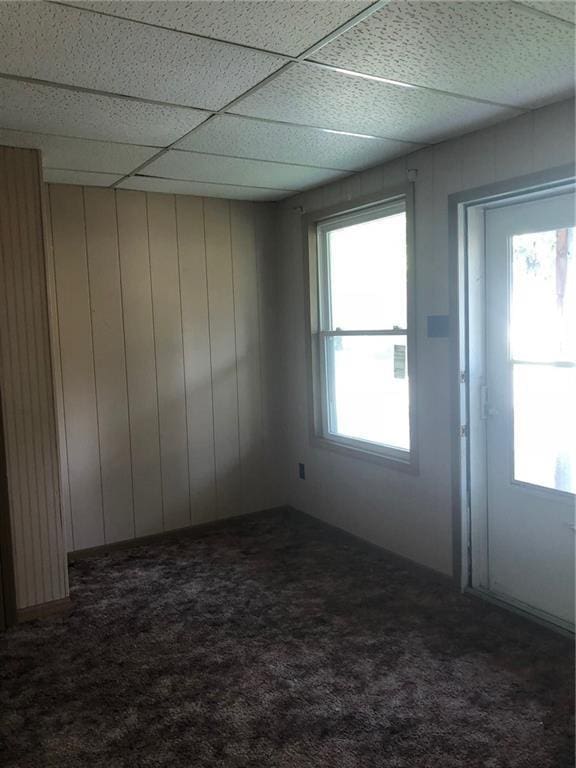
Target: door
530	404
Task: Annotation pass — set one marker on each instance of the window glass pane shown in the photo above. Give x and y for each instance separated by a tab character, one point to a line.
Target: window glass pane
545	426
543	307
367	274
368	388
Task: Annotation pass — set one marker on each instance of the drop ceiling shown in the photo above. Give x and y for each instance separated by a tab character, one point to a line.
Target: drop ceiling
259	99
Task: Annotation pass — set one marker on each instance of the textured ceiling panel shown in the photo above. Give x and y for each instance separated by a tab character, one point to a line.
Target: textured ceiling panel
261	140
563	9
78	154
490	50
230	170
64	45
151	184
316	96
30	107
55	176
288	27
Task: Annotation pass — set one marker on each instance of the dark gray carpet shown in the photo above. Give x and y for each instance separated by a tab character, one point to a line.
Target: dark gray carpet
275	642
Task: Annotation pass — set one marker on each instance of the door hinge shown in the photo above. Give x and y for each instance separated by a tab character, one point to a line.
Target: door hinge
464	430
463	377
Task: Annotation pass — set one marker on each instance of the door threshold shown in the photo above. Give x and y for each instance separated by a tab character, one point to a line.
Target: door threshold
521	609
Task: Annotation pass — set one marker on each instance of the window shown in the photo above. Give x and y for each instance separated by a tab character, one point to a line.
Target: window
362	340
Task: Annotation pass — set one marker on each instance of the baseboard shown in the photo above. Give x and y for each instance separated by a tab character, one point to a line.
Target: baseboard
401	560
524	612
189	531
447	581
43	610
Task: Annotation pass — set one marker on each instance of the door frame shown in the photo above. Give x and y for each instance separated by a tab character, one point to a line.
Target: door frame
466	257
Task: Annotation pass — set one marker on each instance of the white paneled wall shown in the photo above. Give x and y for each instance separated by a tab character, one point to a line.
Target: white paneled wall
163	395
408	514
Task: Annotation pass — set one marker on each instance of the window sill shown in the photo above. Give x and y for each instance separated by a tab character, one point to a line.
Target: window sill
408	465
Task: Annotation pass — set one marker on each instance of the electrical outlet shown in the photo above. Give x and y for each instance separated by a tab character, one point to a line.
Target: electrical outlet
301	471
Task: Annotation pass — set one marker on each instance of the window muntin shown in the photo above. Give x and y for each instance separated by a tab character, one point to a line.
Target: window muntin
363	333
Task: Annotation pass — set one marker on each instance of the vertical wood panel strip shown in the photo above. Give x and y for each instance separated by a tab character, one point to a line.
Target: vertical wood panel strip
169	358
23	388
246	318
39	370
196	340
223	354
109	363
266	233
49	442
54	523
140	360
25	576
29	383
68	229
52	399
57	376
26	382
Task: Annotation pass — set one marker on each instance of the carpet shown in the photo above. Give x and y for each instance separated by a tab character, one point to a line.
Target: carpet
274	641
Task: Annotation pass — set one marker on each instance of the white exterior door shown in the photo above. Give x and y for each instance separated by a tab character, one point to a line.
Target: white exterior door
530	404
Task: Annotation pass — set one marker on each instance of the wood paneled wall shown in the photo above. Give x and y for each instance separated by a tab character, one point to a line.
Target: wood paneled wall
26	386
161	386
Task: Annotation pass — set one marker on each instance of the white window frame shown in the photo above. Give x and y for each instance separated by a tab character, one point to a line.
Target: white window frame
317	227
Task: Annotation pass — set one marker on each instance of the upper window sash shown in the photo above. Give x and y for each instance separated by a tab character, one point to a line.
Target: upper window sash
327	323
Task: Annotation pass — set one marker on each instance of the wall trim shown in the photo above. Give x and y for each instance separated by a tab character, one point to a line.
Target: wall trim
437	577
401	560
189	531
43	610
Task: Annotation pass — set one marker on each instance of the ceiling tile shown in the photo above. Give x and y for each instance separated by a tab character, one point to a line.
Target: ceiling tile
174	186
491	50
256	139
79	154
563	9
320	97
46	109
55	176
65	45
284	26
192	166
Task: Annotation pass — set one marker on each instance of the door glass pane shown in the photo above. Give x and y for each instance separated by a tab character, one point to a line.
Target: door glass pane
543	306
545	426
368	389
367	264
